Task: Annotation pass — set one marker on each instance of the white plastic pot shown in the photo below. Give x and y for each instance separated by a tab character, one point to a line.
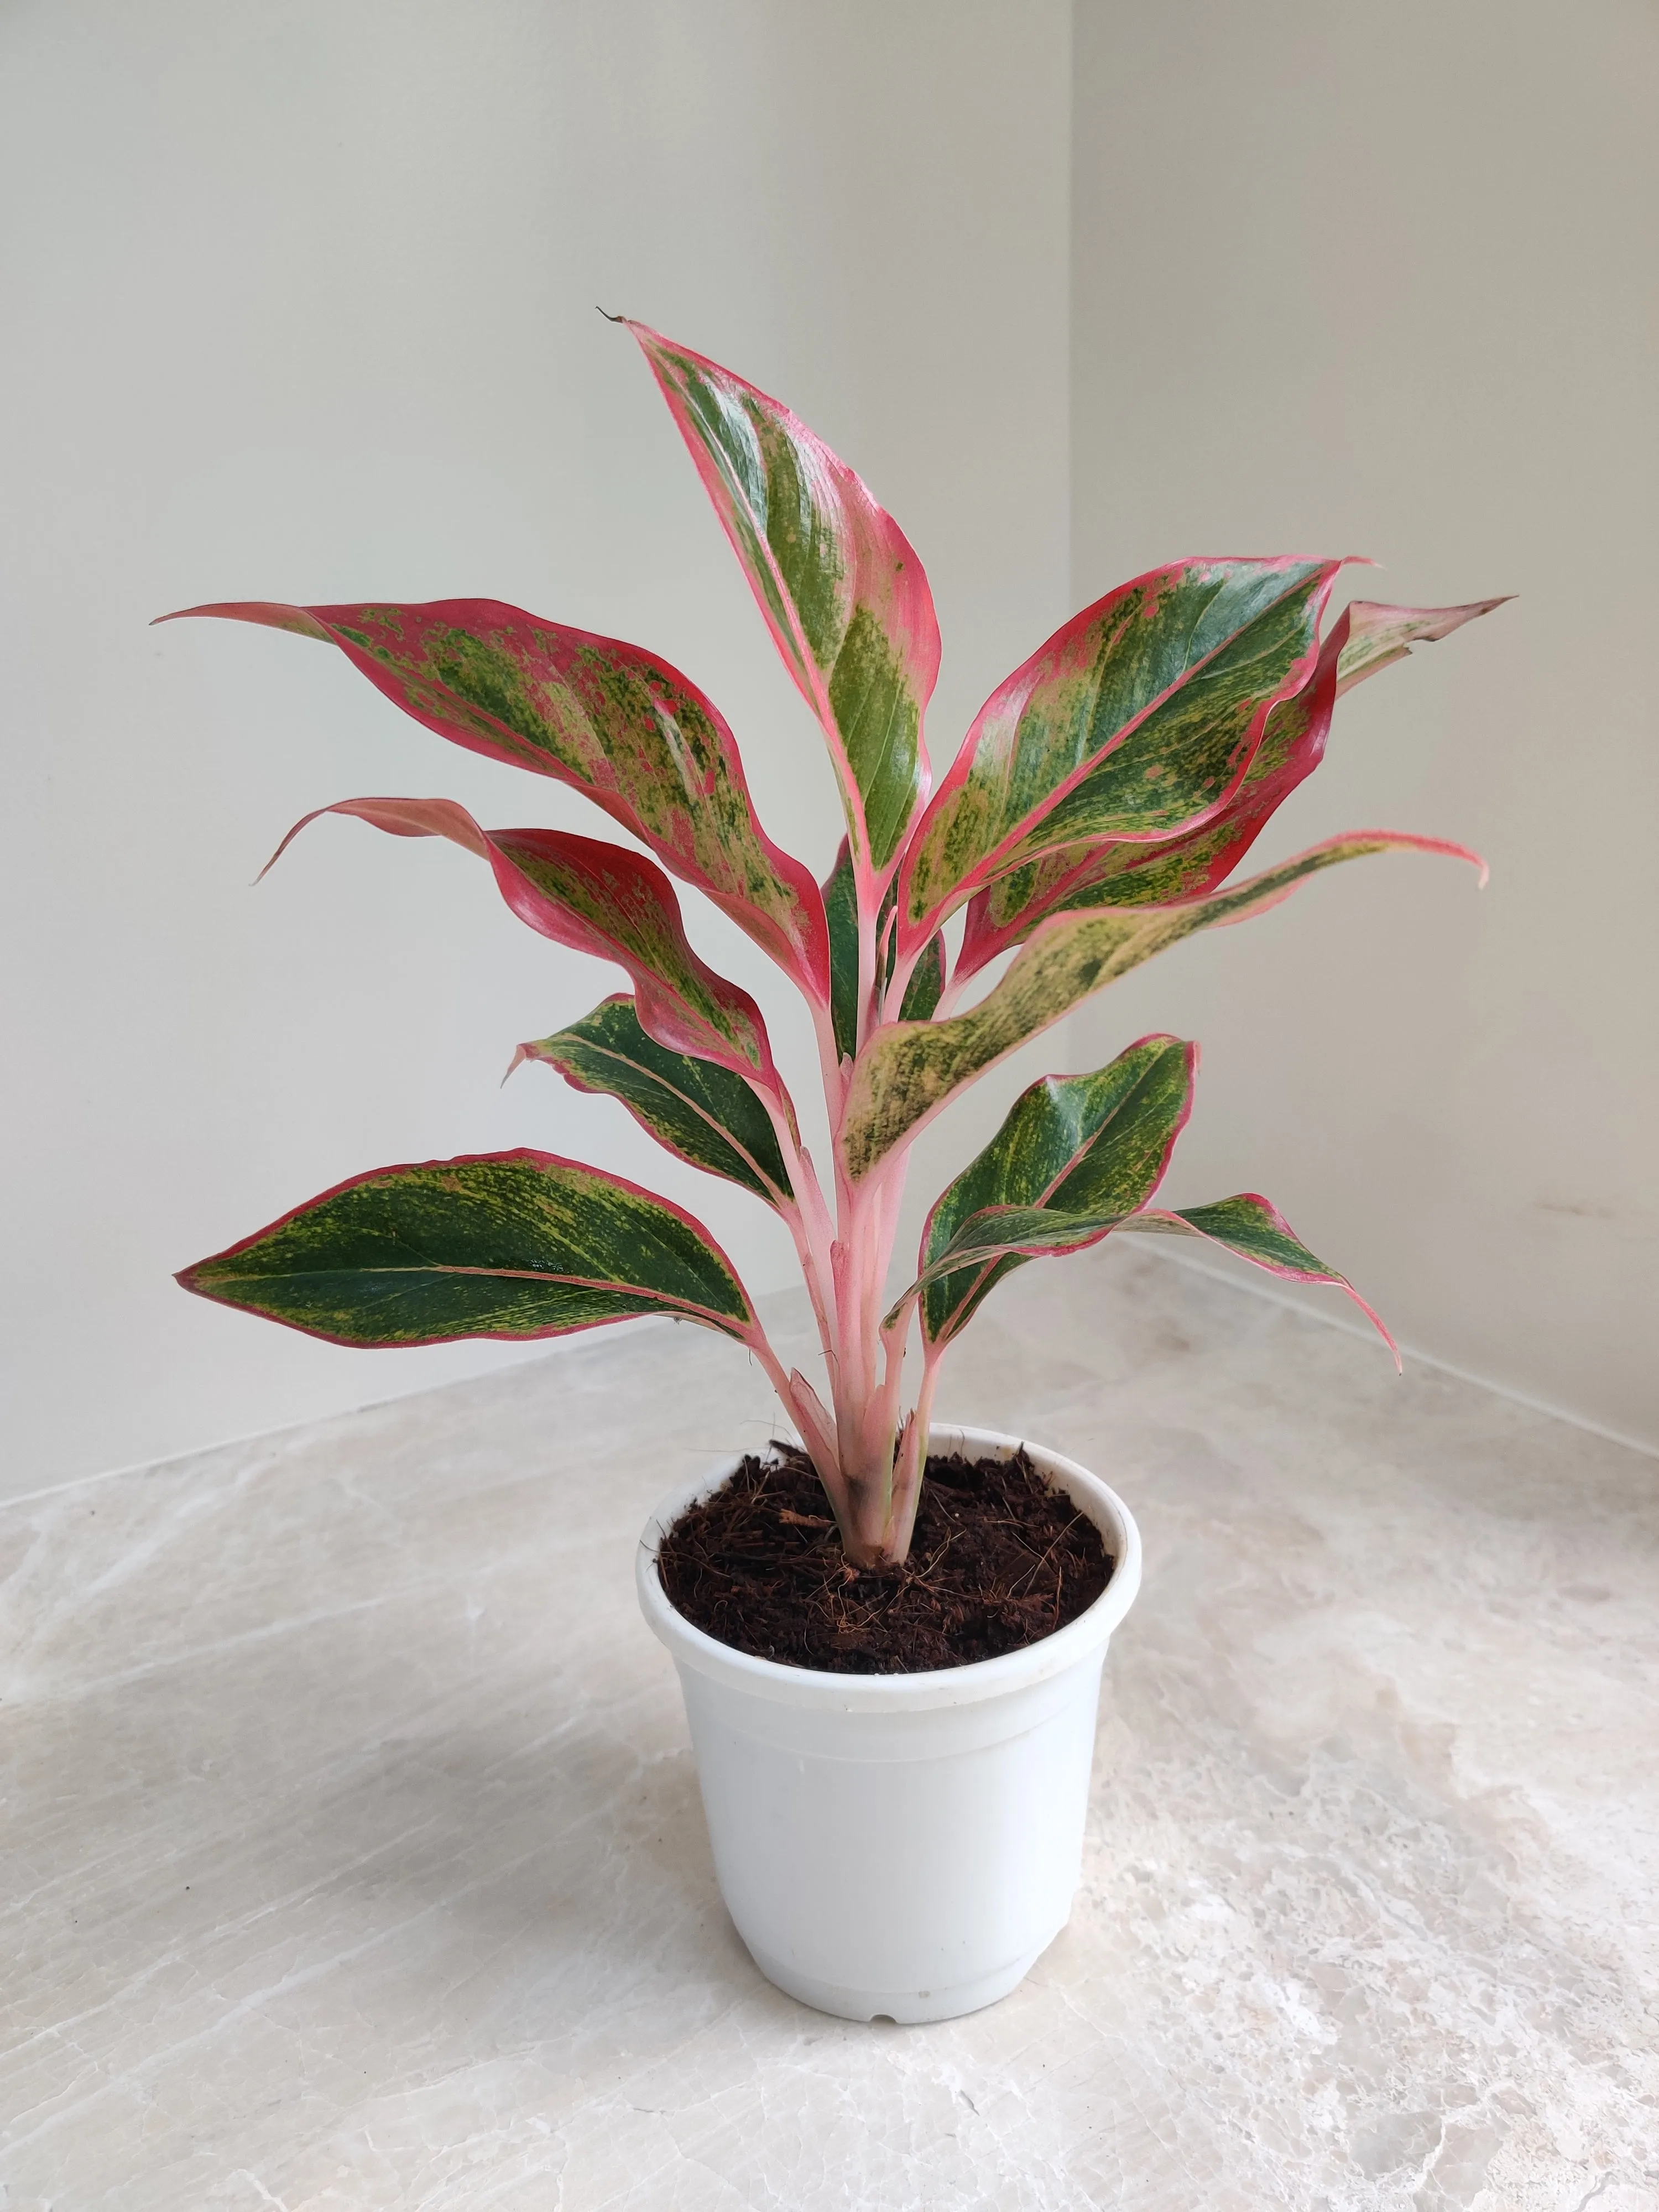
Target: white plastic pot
899	1846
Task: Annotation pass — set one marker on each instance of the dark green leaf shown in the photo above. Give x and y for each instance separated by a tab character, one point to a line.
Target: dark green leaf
841	907
926	984
1257	1231
1075	1154
510	1244
698	1110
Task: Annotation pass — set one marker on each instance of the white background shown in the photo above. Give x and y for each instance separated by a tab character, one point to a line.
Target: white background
300	304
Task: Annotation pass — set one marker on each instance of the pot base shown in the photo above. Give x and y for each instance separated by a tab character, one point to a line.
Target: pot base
905	2008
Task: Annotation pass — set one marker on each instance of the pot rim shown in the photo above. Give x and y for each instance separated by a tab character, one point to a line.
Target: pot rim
971	1684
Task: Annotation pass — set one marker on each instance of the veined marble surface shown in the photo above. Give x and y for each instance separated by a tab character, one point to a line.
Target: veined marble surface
353	1858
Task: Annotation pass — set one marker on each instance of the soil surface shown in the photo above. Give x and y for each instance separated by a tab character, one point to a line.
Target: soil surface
999	1560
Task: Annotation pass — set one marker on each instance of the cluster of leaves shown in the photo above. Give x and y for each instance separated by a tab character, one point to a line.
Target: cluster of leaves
1094	815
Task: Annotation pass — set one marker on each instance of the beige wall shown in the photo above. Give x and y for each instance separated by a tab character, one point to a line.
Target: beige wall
299	302
1382	279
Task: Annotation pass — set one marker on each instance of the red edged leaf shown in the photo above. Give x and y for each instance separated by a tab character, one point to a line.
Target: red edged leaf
839	584
598	898
1138	719
697	1110
1379	635
506	1244
1075	1155
909	1071
1173	870
1257	1231
615	723
1007	1234
1363	639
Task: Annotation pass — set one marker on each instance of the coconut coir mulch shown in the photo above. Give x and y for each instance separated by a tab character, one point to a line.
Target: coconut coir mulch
999	1560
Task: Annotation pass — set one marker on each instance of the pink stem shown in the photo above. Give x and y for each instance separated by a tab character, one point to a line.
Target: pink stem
912	1463
954	986
899	982
808	1220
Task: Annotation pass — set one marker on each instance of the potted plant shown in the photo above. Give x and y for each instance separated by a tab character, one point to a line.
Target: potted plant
894	1764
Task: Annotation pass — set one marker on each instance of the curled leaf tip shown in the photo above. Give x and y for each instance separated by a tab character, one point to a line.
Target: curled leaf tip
282	848
1476	860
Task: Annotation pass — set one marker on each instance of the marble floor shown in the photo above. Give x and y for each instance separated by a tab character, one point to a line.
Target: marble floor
354	1860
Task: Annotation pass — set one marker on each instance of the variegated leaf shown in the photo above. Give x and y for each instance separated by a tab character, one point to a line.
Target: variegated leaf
1257	1231
1378	635
599	898
615	723
1138	719
507	1244
909	1069
1363	639
697	1109
1076	1153
1117	873
839	584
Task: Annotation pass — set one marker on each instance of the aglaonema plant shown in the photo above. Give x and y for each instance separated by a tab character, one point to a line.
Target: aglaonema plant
1093	816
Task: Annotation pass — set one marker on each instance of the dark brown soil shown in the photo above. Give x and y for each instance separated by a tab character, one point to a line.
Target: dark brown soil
999	1560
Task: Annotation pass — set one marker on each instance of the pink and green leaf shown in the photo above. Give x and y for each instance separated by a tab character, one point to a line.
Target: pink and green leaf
1378	635
909	1071
1138	718
1075	1155
1167	872
839	586
614	722
510	1245
696	1108
1118	873
599	898
1257	1231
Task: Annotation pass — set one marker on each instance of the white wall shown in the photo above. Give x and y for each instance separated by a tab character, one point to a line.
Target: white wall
1380	279
300	304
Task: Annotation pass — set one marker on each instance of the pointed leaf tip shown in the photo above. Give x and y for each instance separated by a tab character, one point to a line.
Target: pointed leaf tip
1138	721
508	1245
601	899
1252	1227
617	723
909	1069
1075	1155
841	588
694	1107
